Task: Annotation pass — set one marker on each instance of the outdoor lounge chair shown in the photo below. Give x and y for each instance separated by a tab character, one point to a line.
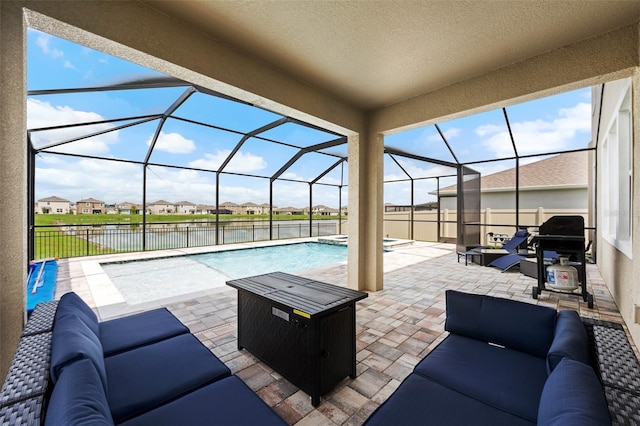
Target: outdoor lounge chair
556	225
508	261
518	241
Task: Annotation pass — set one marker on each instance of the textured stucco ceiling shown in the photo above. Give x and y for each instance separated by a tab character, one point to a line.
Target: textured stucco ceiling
376	53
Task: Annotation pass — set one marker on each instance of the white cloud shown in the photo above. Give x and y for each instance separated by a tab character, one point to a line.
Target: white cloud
114	181
241	162
173	143
44	43
178	184
417	170
539	135
241	194
68	64
292	176
75	179
488	129
43	114
330	180
449	134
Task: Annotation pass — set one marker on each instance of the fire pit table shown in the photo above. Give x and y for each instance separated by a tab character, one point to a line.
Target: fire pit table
303	329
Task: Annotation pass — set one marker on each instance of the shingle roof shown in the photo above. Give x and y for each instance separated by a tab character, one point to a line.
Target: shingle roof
89	200
54	199
570	169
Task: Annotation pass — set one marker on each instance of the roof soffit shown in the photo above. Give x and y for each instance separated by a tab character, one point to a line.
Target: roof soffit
373	54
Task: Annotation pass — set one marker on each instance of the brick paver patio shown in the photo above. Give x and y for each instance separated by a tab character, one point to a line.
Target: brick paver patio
396	327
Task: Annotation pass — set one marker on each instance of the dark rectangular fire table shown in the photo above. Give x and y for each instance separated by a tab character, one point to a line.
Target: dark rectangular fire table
303	329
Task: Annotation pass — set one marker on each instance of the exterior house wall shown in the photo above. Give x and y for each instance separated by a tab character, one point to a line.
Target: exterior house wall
53	207
161	208
185	208
618	269
90	207
552	198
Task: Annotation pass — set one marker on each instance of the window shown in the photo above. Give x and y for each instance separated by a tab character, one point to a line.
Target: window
617	166
59	211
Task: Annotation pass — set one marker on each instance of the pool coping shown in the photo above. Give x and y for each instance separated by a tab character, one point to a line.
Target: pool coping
85	276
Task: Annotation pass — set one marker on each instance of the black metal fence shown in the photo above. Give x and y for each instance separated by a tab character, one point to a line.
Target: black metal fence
87	240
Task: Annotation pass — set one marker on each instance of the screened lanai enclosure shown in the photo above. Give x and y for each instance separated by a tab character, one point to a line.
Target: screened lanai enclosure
108	136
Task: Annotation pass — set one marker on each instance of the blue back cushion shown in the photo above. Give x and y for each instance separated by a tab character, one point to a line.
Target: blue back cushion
573	395
518	238
516	325
570	340
78	398
71	341
72	303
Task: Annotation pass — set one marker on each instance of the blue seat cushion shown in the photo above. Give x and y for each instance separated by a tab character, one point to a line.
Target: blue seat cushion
71	341
129	332
517	325
508	380
144	378
72	303
573	396
570	341
419	401
225	402
78	398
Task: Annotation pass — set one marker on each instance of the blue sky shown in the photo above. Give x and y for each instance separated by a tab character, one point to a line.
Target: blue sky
551	124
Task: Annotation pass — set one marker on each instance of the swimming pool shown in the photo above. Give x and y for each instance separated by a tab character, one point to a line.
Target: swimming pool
261	260
146	280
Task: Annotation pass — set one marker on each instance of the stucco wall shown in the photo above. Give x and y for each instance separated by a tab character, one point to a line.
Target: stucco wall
556	198
619	271
425	228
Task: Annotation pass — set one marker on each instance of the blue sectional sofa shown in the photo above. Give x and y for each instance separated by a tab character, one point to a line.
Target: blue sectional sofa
504	362
144	369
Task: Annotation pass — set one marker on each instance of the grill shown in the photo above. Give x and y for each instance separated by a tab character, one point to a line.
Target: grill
562	235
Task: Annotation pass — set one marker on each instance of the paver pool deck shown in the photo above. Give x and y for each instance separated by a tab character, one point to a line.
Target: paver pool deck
395	327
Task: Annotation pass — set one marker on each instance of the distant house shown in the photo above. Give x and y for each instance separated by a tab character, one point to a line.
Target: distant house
321	210
208	209
251	208
265	208
111	209
289	211
232	207
389	207
558	182
185	207
161	207
90	206
53	205
129	208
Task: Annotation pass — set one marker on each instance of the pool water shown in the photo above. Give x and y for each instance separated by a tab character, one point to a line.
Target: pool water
262	260
148	280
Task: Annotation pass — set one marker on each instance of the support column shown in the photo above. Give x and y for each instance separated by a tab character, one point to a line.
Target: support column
366	168
13	175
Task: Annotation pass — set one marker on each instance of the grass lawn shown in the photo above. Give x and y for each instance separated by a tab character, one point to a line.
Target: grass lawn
95	219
